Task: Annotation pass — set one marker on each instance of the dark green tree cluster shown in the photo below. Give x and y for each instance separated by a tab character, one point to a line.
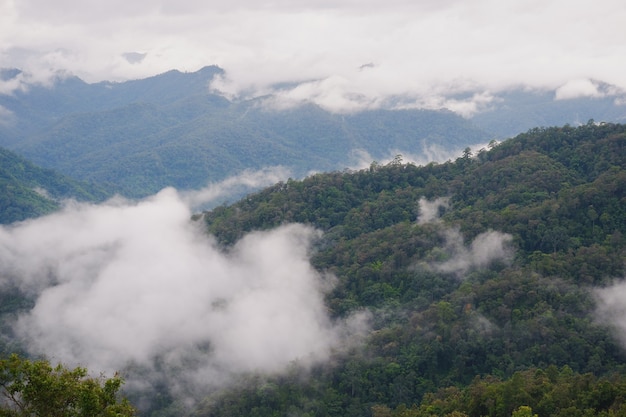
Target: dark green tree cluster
533	392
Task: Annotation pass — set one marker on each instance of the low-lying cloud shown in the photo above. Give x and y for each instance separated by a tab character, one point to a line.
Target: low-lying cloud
430	152
486	248
245	181
7	118
456	256
123	283
611	307
430	211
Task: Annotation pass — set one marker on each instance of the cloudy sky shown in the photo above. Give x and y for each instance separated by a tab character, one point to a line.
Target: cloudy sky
371	49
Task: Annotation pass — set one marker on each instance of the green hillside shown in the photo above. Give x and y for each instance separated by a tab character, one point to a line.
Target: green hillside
171	130
480	274
482	277
27	190
144	147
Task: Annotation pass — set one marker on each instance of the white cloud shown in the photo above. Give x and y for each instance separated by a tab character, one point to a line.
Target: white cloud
486	248
423	51
128	282
245	181
7	118
577	88
611	307
431	152
429	211
10	85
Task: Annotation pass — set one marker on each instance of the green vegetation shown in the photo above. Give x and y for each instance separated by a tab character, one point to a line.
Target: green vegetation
462	326
169	130
544	392
480	273
27	190
144	147
35	388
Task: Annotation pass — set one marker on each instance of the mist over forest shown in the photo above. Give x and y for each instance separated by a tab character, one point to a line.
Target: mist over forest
307	208
233	256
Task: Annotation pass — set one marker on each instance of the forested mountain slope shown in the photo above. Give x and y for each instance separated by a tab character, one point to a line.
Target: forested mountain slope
490	266
171	130
27	190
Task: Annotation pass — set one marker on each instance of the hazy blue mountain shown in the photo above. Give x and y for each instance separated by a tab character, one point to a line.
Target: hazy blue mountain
517	111
40	107
170	130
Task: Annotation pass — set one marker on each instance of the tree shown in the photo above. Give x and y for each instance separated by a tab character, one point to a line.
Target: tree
523	411
35	388
381	411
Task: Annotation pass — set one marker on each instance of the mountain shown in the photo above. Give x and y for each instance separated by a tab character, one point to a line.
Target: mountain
27	190
493	284
488	278
515	111
142	148
169	130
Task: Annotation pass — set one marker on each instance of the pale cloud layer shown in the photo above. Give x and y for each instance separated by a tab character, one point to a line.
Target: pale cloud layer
486	248
129	283
348	54
245	181
430	211
611	308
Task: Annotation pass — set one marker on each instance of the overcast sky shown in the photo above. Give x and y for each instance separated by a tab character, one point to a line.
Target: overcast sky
370	49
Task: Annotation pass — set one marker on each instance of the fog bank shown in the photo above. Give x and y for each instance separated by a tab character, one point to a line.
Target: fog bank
125	283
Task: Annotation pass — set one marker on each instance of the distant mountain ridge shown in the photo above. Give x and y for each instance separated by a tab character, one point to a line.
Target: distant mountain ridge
517	111
40	105
171	130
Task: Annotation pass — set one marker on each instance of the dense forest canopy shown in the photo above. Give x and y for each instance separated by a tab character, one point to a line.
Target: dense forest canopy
171	129
484	267
492	285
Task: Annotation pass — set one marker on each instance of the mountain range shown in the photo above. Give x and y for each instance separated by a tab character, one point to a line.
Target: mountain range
139	136
490	283
484	285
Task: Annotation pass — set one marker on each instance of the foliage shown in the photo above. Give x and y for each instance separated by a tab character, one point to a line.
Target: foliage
513	334
27	190
169	130
35	388
559	193
546	392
